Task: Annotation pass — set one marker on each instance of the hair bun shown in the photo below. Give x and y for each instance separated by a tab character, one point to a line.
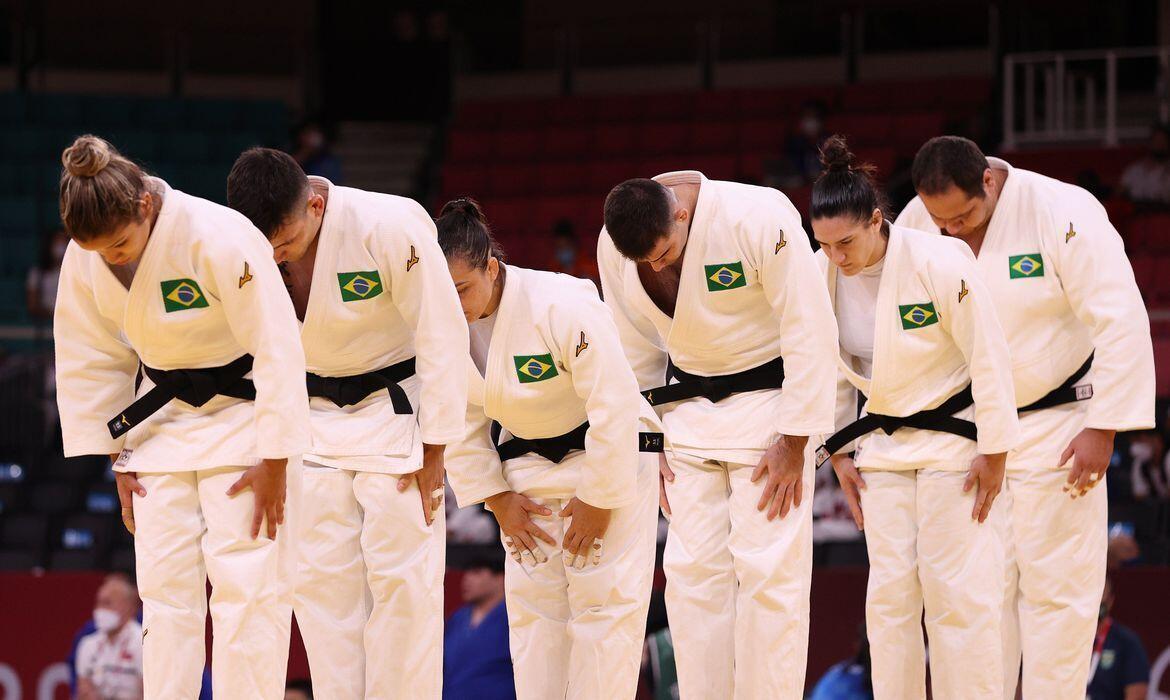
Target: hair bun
87	156
836	156
465	207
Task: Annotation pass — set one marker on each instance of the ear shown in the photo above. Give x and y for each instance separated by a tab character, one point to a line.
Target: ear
316	205
988	180
493	267
877	217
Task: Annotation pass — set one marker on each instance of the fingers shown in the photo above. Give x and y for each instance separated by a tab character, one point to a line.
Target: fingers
257	517
971	480
760	469
1066	456
242	483
664	468
769	492
663	502
272	518
853	498
128	518
424	496
537	532
567	511
404	482
987	503
130	479
797	493
782	502
532	506
984	496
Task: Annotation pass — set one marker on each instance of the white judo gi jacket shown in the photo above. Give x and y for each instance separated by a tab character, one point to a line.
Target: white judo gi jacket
554	361
748	293
1057	271
206	291
381	294
936	332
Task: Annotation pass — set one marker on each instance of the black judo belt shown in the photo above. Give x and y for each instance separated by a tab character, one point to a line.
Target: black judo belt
346	391
941	419
1067	392
191	386
554	449
769	375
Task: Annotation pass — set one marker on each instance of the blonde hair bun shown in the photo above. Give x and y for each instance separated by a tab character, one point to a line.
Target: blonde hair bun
88	156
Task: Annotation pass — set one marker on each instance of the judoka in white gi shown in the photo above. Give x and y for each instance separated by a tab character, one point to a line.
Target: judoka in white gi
386	344
920	339
573	481
1057	272
719	279
185	286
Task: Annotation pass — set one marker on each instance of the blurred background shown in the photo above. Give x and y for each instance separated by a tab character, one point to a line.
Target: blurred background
537	109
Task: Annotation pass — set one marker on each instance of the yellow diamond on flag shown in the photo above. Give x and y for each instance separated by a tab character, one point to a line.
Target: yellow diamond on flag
184	294
360	286
725	276
918	315
1025	266
535	368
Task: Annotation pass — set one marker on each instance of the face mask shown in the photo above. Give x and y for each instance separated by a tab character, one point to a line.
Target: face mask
1141	450
566	257
59	250
810	126
106	620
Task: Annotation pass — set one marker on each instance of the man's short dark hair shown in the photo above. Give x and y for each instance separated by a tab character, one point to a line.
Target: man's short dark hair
266	186
944	161
637	215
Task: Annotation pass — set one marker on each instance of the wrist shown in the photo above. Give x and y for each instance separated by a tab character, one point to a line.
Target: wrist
495	499
429	449
794	442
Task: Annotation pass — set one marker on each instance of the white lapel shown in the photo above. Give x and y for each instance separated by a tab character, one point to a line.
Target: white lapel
331	238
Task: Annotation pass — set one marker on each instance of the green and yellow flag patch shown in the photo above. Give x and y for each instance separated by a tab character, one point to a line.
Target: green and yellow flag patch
917	315
534	368
182	294
356	286
1027	265
722	276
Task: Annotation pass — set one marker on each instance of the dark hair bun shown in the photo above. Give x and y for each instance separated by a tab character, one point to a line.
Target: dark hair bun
465	207
836	156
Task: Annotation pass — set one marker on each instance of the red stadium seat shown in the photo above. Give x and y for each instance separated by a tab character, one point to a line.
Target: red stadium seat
663	138
717	105
506	216
464	181
675	107
714	137
528	112
562	177
617	140
1162	366
862	129
883	158
566	142
478	115
518	144
602	175
512	180
716	167
911	130
1148	233
569	111
616	108
467	146
751	165
1143	272
766	135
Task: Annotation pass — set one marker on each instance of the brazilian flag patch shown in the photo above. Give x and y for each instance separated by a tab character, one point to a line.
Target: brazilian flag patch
182	294
722	276
917	315
356	286
1027	265
534	368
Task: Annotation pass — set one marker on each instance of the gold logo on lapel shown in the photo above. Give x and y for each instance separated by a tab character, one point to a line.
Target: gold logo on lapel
246	277
412	260
1070	233
780	243
581	347
963	291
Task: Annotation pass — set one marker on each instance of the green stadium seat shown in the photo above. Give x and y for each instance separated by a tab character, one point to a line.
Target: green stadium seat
265	115
213	114
20	253
185	147
162	114
18	216
135	144
114	111
20	143
12	108
56	109
229	146
17	178
49	213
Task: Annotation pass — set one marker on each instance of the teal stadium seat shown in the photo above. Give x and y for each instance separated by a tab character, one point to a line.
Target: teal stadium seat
230	145
56	109
161	114
18	217
103	112
20	143
12	108
136	144
20	253
213	114
268	116
185	147
17	178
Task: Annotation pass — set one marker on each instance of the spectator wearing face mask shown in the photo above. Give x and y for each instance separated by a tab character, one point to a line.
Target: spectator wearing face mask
1119	668
567	255
313	154
109	661
41	283
1147	181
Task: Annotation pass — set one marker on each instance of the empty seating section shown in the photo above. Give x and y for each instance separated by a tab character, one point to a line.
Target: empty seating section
516	155
190	142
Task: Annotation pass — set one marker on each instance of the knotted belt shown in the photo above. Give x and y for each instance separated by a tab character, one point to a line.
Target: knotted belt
346	391
769	375
554	449
192	386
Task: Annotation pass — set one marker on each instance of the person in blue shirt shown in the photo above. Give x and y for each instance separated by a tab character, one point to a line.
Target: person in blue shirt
849	679
477	663
1119	668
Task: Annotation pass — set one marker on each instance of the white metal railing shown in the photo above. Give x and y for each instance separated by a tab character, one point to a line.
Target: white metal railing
1072	96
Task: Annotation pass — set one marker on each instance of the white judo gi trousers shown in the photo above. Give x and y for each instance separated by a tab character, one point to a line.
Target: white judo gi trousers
578	634
369	596
188	531
925	551
1056	549
737	585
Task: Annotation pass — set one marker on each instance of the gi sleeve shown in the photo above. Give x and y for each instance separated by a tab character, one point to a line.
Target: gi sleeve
644	349
967	313
473	465
795	289
1089	258
96	367
590	349
246	281
420	285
